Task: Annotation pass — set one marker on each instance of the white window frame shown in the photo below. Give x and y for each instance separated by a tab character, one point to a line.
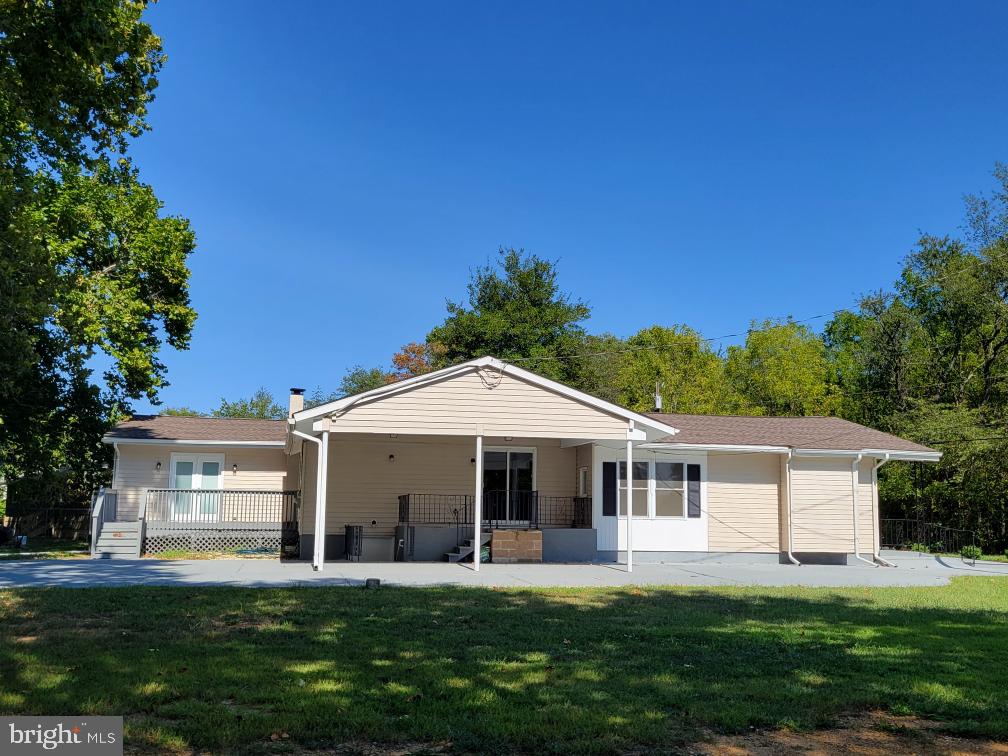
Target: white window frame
652	488
583	489
197	460
197	463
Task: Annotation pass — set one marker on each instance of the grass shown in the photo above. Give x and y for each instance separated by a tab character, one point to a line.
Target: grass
576	671
42	547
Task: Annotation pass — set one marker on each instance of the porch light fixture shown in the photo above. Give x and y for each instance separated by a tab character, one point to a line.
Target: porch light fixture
234	469
393	435
391	457
157	466
472	460
507	438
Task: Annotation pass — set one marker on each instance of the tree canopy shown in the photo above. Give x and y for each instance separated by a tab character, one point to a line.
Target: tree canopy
88	262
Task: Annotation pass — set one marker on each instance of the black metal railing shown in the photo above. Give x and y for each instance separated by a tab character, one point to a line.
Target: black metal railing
907	534
205	506
501	509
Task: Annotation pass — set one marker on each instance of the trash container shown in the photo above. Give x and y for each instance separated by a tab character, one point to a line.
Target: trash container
354	542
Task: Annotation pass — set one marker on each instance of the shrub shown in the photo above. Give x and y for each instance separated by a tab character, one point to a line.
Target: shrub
918	547
971	552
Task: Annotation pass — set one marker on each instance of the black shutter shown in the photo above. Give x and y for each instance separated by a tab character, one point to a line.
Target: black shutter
693	490
609	489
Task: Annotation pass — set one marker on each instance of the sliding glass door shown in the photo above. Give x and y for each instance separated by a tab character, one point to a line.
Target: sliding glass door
509	485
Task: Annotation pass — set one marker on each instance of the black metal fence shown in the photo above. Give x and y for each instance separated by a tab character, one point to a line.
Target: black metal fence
501	509
207	506
907	534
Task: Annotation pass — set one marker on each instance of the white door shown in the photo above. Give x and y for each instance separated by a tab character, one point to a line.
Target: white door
196	479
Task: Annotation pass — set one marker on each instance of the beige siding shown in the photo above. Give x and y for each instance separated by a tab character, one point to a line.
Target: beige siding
259	469
823	506
866	512
502	404
364	485
743	502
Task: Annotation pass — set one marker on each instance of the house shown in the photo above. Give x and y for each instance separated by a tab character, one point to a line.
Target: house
487	453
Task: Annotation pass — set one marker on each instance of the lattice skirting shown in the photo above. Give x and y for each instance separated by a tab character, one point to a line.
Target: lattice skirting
211	539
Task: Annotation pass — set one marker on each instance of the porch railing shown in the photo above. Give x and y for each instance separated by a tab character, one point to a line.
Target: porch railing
206	506
501	509
904	534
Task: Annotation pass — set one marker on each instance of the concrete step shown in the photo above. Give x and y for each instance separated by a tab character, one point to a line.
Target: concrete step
117	550
114	555
121	527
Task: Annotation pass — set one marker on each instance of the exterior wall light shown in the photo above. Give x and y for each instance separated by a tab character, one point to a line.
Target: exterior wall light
157	466
472	460
234	469
391	457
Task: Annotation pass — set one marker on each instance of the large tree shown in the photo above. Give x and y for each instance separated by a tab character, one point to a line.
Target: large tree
782	369
88	262
516	311
929	360
688	374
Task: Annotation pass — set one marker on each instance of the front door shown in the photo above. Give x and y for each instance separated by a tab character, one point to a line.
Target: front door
196	480
509	485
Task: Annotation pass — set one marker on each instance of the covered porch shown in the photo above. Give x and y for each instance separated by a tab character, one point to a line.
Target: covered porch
437	467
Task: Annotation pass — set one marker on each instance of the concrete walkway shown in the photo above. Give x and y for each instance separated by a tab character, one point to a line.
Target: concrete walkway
253	573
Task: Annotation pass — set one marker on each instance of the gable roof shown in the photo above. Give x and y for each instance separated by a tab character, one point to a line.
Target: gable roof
799	433
152	429
492	363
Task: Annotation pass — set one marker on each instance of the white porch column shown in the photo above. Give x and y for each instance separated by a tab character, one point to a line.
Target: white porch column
629	505
321	486
478	503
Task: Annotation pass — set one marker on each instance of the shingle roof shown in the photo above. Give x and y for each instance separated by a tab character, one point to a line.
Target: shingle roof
830	433
176	428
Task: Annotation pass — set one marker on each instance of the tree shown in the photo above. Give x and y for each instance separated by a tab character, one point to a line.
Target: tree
516	311
782	370
260	406
182	412
690	375
360	379
416	359
87	261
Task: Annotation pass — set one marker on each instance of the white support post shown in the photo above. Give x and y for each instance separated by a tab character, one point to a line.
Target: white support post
478	504
320	502
629	504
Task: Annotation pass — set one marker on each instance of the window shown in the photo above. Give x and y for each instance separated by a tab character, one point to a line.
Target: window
582	482
663	488
641	483
669	489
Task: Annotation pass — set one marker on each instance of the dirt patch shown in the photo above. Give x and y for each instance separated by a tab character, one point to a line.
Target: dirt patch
874	734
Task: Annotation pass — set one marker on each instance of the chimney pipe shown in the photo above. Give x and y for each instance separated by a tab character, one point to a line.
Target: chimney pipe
296	403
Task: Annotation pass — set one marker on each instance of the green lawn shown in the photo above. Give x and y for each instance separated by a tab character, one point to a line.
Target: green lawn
42	547
534	670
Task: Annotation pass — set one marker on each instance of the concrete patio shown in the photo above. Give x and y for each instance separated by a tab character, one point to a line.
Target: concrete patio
911	570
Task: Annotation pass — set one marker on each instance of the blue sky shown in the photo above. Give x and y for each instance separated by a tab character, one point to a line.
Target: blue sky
345	165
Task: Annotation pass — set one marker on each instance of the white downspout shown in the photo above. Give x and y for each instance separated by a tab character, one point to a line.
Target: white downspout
855	465
790	518
875	519
318	488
